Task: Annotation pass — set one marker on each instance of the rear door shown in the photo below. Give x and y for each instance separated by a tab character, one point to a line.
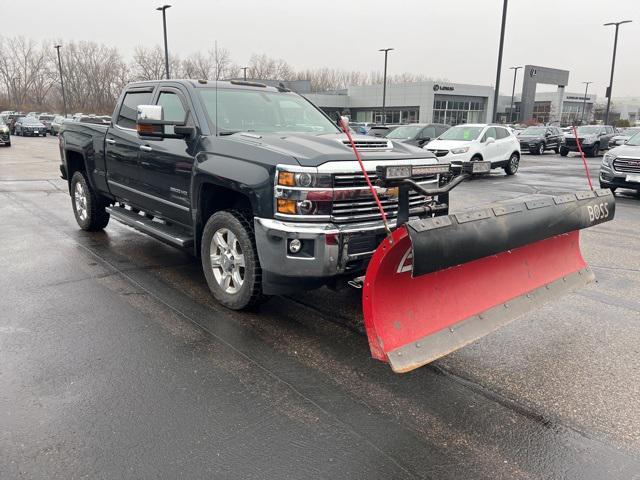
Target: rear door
166	164
122	148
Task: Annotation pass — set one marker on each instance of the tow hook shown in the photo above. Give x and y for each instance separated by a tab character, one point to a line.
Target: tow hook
356	282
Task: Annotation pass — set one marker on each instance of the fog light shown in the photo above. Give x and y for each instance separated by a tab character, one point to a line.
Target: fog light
295	245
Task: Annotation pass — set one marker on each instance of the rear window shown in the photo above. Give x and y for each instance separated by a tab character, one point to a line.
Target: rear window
129	110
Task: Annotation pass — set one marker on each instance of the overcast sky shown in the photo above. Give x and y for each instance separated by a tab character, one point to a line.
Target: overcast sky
453	39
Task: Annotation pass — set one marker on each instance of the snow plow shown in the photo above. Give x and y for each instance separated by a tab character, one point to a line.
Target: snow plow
442	281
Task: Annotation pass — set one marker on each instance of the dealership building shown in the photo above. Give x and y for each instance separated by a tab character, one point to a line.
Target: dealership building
450	103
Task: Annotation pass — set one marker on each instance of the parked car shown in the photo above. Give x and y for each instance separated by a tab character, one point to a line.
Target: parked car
30	126
623	136
56	124
539	139
473	142
46	119
11	121
620	166
593	138
5	134
417	133
381	130
361	128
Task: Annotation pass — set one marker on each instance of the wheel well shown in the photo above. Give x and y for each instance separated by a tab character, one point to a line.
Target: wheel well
75	163
517	154
477	155
214	198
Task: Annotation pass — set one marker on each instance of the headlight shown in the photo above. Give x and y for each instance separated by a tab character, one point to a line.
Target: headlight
586	141
608	159
306	179
456	151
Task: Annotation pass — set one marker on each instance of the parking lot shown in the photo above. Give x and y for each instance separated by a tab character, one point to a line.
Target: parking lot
116	362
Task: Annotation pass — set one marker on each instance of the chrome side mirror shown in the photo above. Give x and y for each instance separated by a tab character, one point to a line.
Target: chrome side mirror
150	112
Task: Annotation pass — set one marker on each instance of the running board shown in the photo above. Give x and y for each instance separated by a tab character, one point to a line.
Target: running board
167	233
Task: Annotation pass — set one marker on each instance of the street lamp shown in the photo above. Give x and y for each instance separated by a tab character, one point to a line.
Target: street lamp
613	64
384	85
584	101
244	69
163	9
513	91
496	93
64	97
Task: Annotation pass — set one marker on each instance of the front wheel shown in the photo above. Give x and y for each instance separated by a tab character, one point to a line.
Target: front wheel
230	260
540	150
564	152
513	165
89	210
595	150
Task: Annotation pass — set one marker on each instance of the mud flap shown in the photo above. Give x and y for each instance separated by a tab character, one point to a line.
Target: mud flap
446	281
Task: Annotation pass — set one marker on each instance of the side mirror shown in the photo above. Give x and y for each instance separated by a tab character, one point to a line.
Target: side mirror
150	123
489	140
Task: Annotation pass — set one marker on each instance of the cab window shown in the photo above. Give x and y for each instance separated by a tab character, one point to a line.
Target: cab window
129	110
172	107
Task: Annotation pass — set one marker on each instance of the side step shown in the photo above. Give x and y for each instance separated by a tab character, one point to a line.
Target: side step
167	233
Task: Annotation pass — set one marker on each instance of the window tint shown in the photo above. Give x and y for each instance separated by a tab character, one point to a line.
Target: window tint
491	132
129	110
501	133
428	132
172	106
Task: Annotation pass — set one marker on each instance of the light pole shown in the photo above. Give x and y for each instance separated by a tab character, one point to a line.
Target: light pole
496	93
384	85
613	64
584	101
513	91
244	69
163	9
64	97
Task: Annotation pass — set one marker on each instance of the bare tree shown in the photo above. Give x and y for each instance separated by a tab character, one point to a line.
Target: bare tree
266	68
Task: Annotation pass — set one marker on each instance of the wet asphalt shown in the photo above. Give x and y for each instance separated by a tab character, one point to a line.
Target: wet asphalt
116	363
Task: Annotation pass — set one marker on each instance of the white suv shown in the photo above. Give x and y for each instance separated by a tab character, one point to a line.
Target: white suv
471	142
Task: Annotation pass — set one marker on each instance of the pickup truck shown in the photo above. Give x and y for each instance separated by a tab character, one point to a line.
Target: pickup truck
255	180
592	138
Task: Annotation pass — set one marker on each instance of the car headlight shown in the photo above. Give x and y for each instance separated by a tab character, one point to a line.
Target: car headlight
586	141
456	151
608	159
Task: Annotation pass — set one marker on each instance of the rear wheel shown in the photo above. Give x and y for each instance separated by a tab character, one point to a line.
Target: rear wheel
230	260
88	208
513	165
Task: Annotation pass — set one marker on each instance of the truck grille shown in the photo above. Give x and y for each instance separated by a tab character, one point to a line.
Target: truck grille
345	211
370	144
630	165
347	180
571	142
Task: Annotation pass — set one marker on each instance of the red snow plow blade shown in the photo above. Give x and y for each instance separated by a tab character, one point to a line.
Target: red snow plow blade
446	281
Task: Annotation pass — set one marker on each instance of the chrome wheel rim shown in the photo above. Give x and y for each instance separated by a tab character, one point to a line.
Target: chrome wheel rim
81	201
541	149
513	163
227	261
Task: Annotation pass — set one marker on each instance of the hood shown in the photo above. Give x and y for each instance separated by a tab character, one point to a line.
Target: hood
313	150
529	137
620	137
626	151
447	144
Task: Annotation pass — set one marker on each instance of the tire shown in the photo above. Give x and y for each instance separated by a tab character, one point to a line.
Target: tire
88	208
513	165
564	152
540	149
228	234
603	185
595	150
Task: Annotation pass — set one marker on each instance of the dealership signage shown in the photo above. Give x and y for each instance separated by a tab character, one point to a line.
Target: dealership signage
447	88
571	97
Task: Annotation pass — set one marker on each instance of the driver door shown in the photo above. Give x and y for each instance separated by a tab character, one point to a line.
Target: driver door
490	150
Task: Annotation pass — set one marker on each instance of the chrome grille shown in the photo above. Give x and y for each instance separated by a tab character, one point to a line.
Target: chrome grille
438	153
370	144
629	165
357	180
345	211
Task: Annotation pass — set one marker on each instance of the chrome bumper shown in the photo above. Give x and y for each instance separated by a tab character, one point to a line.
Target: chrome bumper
325	251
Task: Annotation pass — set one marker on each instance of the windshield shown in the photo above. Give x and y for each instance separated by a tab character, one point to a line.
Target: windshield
263	111
634	141
462	133
628	132
408	131
533	131
588	130
31	121
46	117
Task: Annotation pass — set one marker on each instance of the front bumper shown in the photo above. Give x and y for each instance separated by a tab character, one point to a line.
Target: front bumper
328	250
611	178
5	138
530	146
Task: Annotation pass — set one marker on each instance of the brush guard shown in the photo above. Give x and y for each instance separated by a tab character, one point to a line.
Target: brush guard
441	282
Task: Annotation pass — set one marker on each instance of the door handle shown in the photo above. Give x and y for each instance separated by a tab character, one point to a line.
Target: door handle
145	148
110	141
